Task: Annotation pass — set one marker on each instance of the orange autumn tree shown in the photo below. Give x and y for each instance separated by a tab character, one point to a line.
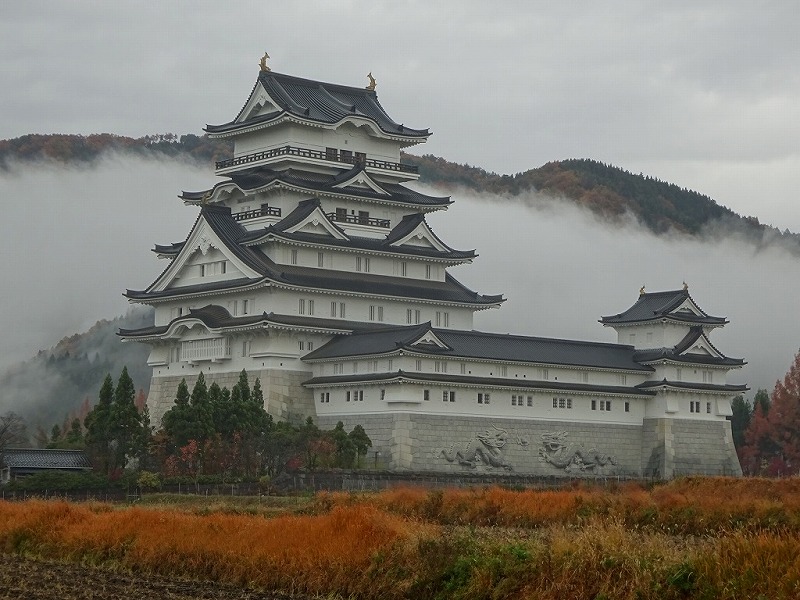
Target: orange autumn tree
773	438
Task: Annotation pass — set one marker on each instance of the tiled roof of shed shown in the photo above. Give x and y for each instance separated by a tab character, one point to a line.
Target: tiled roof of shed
38	458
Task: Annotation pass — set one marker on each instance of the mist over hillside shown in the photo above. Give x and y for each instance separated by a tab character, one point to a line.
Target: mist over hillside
76	238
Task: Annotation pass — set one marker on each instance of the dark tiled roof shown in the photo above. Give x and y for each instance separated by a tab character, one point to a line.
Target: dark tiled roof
231	234
321	102
659	305
259	177
683	385
217	317
37	458
678	352
485	346
445	378
406	226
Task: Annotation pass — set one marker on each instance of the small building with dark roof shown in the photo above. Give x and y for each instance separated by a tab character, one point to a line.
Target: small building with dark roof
21	462
312	266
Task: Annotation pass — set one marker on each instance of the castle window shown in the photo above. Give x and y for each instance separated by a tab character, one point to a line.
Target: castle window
389	368
448	396
245	348
678	374
361	158
484	398
338	369
605	405
310	346
694	406
530	400
627	407
245	306
347	396
346	156
564	403
331	154
708	377
427	271
333	309
383	394
341	310
503	371
202	270
363	218
416	317
583	377
426	395
594	404
403	269
622	379
310	307
513	400
708	408
374	366
223	267
419	365
438	319
301	306
446	319
302	345
355	366
544	374
409	316
293	257
325	397
463	368
440	366
320	259
341	215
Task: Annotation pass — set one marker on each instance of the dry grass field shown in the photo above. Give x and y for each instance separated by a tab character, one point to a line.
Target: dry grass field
711	538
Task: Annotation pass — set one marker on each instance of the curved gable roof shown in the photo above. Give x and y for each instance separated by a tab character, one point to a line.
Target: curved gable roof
664	305
321	102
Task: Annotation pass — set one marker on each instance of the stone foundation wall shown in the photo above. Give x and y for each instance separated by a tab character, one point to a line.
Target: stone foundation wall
444	444
285	398
674	447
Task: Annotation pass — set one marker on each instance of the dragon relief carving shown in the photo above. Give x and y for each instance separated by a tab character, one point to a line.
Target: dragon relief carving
572	457
485	448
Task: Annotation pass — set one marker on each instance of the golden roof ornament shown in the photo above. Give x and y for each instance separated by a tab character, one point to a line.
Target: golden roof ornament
641	291
206	197
685	287
372	82
263	63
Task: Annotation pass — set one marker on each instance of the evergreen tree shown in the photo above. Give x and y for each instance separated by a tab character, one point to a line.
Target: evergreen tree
361	442
125	423
97	424
177	420
740	419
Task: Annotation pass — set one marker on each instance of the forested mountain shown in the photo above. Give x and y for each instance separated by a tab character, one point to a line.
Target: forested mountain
50	388
612	193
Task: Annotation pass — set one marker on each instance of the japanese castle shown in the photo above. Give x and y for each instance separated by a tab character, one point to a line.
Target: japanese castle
311	265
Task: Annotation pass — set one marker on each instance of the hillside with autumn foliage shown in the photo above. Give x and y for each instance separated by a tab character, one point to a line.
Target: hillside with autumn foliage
611	193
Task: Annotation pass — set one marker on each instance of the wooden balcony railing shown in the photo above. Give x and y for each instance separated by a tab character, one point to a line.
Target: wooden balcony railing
264	211
358	220
316	154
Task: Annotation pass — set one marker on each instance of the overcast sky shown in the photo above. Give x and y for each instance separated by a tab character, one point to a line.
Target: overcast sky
699	93
707	98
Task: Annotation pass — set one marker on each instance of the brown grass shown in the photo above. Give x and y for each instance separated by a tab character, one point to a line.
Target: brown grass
691	538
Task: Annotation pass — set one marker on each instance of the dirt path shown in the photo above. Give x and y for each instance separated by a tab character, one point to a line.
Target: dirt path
28	579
